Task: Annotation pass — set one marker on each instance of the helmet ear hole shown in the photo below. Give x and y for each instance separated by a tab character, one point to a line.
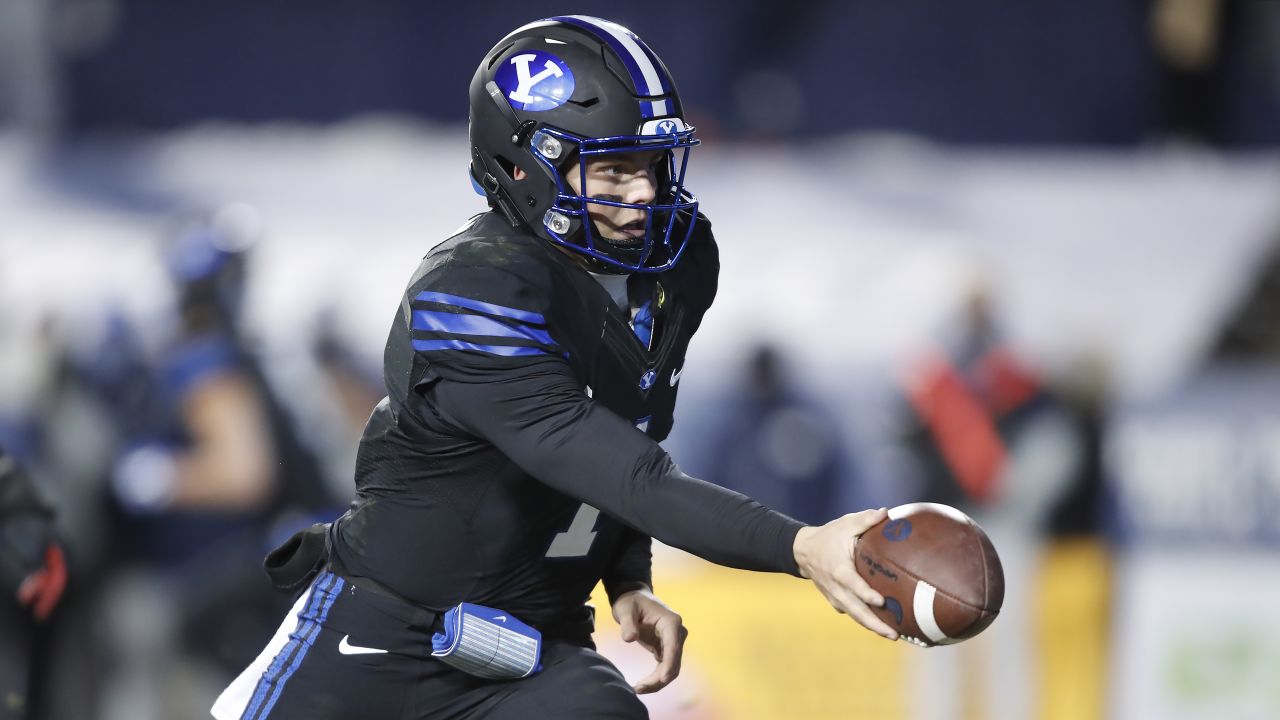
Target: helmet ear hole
510	169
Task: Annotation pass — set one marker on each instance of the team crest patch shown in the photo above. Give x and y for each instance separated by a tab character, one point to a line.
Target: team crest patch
663	126
647	379
535	80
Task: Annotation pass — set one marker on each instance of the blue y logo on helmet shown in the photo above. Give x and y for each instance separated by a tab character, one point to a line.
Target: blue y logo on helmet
535	80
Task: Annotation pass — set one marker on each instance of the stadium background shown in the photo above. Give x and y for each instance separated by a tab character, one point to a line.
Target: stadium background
1087	191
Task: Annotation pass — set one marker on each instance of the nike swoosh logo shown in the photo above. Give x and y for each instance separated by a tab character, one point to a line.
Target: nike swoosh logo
675	376
346	648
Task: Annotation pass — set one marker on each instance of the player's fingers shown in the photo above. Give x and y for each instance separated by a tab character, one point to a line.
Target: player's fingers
863	615
870	621
860	522
831	599
850	580
649	641
667	670
671	634
840	599
650	683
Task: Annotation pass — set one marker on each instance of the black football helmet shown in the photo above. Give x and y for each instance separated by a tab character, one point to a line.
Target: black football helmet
553	95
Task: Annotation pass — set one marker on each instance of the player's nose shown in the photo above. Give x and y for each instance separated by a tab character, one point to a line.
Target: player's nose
642	190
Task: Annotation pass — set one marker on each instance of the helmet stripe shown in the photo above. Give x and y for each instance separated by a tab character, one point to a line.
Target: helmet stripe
654	108
645	73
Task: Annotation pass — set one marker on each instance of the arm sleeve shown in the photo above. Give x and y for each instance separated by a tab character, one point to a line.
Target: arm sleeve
632	567
541	420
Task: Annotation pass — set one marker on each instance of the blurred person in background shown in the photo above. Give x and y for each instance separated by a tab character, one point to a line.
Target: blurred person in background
1072	596
1187	37
970	401
211	472
531	369
1219	71
33	575
354	388
987	435
778	446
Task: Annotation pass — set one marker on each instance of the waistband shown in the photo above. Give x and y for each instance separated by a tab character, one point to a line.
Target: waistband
576	631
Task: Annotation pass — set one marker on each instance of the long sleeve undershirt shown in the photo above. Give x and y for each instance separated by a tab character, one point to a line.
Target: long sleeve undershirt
542	421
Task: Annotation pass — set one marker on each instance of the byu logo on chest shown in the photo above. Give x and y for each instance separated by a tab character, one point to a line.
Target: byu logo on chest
646	380
535	81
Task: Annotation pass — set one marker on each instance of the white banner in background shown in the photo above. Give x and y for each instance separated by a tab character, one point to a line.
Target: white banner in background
1197	635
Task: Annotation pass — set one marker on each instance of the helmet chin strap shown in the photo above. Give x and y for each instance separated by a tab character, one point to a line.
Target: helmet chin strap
588	263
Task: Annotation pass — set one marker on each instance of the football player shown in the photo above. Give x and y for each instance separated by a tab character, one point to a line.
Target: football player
33	572
531	369
33	568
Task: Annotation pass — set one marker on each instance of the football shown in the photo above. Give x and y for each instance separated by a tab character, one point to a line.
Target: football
938	572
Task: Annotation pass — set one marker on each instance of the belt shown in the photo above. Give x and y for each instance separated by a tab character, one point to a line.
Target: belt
576	631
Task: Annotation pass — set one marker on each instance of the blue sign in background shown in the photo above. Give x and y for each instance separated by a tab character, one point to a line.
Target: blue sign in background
1201	464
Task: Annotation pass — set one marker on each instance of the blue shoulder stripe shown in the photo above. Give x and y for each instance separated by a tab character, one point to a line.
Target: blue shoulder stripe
484	307
505	350
468	324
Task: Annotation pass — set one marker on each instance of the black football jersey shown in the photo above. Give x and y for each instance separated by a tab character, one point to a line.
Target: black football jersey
514	462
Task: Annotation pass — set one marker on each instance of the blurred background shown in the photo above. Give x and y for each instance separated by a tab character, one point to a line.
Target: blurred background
1022	258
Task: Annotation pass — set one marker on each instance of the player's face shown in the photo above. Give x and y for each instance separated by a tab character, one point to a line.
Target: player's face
619	177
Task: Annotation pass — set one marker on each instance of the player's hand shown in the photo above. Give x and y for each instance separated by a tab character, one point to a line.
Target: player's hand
42	589
658	629
825	556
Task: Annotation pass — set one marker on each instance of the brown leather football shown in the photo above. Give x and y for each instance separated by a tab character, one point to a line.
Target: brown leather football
938	572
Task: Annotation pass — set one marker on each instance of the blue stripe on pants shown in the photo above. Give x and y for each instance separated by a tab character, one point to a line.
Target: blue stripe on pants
324	590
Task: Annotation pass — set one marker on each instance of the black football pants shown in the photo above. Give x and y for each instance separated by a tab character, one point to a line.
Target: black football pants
345	653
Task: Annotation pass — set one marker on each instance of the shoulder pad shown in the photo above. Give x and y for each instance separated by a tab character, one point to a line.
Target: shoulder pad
478	297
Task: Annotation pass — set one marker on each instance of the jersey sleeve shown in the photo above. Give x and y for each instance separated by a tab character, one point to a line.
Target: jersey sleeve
471	318
632	567
541	420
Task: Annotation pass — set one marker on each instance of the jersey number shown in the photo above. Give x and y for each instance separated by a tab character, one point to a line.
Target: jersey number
576	541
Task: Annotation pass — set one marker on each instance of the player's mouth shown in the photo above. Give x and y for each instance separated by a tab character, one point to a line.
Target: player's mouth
630	235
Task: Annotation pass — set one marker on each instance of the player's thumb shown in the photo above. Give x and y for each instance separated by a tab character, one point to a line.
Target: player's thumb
860	522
